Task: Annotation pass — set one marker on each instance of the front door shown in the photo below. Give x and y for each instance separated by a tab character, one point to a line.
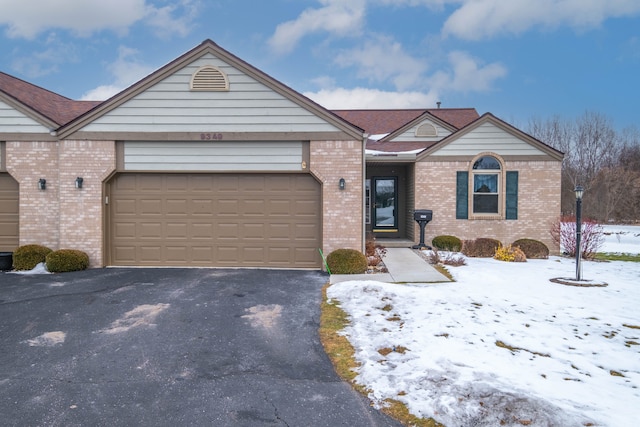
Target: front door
385	206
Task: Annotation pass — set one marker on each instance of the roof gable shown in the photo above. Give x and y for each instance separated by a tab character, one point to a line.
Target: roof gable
165	102
46	107
489	133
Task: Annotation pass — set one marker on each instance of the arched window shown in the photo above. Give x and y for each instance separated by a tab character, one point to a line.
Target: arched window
487	180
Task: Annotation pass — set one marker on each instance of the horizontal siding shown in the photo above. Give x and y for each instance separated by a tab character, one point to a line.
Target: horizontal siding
410	134
213	156
13	121
249	106
488	137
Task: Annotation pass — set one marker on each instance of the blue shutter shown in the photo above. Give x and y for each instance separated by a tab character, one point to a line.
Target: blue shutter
462	195
511	194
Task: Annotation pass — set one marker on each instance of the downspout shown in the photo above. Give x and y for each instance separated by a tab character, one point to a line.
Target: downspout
365	138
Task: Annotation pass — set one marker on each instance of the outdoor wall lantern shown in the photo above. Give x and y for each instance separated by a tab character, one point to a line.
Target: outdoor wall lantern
579	192
342	184
79	181
42	184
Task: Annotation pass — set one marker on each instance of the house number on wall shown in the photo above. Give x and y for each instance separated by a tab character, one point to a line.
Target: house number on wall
210	136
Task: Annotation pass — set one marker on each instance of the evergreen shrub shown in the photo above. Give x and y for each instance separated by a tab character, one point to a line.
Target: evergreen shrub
28	256
447	243
347	261
533	249
482	247
64	260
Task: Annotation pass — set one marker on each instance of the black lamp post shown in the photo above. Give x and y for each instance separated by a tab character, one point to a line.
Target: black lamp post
579	191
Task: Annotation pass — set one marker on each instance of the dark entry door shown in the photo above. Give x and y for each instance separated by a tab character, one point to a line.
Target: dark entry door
385	207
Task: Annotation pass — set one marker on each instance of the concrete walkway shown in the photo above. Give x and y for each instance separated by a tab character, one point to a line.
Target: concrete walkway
404	265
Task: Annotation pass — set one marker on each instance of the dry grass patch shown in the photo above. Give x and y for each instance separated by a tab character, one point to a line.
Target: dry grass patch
399	411
341	353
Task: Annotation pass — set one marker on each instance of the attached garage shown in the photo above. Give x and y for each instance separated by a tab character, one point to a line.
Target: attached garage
214	219
9	230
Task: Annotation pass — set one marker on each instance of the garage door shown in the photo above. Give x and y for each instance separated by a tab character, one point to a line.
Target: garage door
221	220
8	213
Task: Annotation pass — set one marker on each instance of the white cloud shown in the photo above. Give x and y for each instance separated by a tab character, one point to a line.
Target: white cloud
174	19
126	70
467	74
337	17
363	98
380	59
47	60
480	19
28	18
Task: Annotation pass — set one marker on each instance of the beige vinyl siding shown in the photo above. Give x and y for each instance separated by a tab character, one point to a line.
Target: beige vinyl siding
13	121
488	138
248	106
213	156
410	134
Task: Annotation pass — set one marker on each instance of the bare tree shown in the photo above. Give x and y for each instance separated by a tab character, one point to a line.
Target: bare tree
600	159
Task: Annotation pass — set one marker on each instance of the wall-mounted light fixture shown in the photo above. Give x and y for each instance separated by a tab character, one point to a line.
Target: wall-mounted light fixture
42	184
79	181
342	184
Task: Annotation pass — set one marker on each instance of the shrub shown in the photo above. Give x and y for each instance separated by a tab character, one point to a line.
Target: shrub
449	258
64	260
533	249
563	233
28	256
482	247
447	243
510	254
347	261
373	252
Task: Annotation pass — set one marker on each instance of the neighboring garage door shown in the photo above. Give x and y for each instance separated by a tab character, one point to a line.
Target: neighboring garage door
8	213
221	220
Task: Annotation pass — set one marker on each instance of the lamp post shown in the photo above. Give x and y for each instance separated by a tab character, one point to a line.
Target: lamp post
579	191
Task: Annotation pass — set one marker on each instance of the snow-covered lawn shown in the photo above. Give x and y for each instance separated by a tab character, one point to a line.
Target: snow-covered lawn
503	345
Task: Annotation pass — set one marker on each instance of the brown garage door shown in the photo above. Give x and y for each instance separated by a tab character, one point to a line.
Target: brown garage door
8	213
222	220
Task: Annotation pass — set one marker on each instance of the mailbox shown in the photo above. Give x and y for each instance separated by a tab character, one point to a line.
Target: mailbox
422	217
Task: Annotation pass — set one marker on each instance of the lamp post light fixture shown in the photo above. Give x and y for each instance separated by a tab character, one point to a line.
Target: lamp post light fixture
42	184
579	192
79	182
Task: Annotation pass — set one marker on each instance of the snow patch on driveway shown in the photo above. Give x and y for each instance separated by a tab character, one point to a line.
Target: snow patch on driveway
48	339
143	315
264	316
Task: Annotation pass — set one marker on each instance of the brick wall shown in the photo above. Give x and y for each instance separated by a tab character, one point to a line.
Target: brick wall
538	202
342	209
62	216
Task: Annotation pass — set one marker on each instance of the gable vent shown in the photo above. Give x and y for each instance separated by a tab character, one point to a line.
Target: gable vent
209	78
426	129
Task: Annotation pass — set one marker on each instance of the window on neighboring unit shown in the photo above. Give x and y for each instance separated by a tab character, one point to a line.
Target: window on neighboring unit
486	185
209	78
426	129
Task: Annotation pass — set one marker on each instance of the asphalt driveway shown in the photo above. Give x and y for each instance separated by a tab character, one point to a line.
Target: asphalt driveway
170	347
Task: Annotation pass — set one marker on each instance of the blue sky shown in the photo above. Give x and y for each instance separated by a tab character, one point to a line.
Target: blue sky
517	59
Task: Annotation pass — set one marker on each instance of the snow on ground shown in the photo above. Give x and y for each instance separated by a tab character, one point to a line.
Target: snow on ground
503	345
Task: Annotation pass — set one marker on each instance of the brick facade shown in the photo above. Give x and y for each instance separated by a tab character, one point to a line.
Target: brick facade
62	216
342	210
538	202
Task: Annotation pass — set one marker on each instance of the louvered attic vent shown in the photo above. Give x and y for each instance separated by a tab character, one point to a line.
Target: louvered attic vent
209	78
426	129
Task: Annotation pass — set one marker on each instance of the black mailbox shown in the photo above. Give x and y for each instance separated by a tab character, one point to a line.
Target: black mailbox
422	216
